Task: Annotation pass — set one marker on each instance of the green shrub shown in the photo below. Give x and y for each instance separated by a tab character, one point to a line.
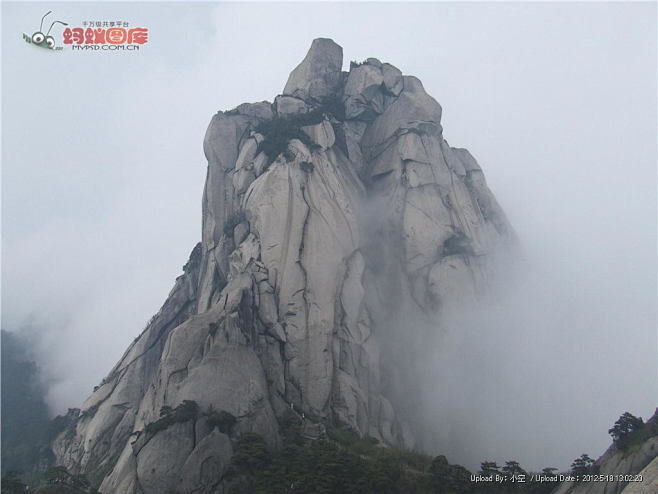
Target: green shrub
354	443
512	468
627	430
223	420
343	437
60	481
279	131
489	468
412	459
188	410
582	465
90	412
448	478
341	463
326	466
250	454
289	155
333	106
12	483
291	430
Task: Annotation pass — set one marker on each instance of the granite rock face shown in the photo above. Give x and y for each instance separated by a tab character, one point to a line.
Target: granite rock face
319	74
638	462
299	297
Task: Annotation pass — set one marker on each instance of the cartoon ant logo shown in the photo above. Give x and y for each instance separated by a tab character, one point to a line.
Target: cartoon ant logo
44	40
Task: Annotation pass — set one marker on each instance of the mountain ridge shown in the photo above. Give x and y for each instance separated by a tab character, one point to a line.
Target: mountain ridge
332	217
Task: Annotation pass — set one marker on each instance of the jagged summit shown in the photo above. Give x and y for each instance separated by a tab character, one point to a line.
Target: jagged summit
331	218
319	74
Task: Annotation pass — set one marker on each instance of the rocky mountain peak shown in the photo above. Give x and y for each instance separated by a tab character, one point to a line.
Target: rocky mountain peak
318	75
339	230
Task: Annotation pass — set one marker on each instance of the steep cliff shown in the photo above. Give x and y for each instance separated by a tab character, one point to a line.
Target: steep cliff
332	217
630	468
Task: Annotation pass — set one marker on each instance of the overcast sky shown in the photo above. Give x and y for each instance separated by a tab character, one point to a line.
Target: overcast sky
103	170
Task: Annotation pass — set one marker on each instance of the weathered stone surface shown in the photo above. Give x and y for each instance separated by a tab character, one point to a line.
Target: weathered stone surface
413	110
261	110
321	134
290	105
638	459
392	79
649	484
206	465
240	232
159	461
318	75
362	93
309	268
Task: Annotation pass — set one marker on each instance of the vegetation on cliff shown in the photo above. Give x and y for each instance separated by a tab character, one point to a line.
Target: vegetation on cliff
341	462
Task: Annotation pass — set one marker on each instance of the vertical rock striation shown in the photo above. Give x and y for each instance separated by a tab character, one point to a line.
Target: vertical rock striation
329	217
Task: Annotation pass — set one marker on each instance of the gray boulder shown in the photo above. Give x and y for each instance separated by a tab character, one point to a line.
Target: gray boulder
319	74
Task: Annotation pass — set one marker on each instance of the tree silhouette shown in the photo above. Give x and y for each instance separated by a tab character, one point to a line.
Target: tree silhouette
623	429
582	465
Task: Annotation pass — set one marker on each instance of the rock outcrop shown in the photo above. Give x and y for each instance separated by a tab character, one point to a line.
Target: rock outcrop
332	218
632	469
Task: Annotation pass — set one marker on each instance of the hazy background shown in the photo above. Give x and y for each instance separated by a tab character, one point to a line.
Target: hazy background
103	169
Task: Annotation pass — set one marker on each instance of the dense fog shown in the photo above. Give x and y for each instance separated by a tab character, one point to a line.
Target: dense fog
103	172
